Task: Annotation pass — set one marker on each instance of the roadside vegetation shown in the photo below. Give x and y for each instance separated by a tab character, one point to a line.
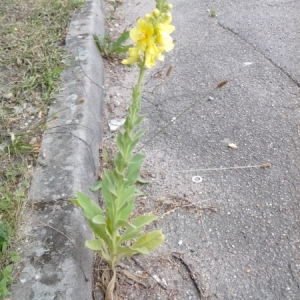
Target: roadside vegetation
31	53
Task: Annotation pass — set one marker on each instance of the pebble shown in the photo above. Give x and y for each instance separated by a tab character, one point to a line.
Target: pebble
8	95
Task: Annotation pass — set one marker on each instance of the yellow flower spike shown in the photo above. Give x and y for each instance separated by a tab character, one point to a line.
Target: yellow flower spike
151	37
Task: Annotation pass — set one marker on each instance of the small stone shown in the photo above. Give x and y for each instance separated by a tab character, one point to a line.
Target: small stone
116	103
8	96
232	146
115	124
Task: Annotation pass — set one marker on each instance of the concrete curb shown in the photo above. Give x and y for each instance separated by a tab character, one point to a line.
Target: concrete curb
55	263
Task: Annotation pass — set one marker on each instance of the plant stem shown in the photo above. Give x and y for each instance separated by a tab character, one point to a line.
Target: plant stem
134	109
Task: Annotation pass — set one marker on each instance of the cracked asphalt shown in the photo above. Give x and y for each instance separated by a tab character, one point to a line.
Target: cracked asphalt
250	248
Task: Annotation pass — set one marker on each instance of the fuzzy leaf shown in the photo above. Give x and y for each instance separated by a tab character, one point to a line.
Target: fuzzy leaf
150	240
101	232
112	182
127	138
95	245
118	161
97	186
138	120
142	180
127	251
130	193
109	198
136	139
122	223
144	220
90	208
99	246
129	234
138	224
134	167
120	142
99	219
126	210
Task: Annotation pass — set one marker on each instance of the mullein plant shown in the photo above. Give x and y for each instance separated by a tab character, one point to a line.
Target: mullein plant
117	235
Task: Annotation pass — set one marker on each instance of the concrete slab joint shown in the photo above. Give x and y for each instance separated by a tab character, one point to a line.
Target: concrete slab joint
55	262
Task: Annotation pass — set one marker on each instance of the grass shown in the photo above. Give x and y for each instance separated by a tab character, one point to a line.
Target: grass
31	52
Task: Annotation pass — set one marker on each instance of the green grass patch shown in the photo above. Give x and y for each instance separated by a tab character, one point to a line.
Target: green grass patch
31	54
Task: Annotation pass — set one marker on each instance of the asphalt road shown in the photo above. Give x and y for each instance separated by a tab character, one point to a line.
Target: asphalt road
242	237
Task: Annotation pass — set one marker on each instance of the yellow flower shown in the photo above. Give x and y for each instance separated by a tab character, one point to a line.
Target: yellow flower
133	57
163	36
142	35
152	54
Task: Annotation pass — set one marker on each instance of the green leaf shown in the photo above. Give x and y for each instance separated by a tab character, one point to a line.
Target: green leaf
127	251
129	194
138	223
120	142
112	181
95	245
120	40
100	219
122	49
127	140
97	186
150	240
129	234
137	157
118	161
138	120
99	44
136	139
14	256
126	210
122	223
144	220
142	180
99	246
90	208
4	246
101	232
109	198
134	168
7	270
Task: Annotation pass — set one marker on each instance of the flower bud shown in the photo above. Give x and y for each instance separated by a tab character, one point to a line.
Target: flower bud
170	6
156	12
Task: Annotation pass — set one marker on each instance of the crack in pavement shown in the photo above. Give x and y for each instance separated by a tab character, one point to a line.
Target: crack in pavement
260	52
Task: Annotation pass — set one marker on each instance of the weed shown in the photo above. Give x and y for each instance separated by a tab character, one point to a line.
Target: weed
115	4
109	47
117	234
212	13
